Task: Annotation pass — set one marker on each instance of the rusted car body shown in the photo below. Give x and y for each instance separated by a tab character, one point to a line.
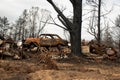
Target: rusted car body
52	40
45	42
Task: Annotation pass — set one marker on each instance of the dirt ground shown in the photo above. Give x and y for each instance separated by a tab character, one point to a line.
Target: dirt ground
68	69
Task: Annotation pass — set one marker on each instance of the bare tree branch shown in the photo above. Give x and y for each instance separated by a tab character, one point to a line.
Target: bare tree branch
107	12
58	24
54	23
62	21
61	14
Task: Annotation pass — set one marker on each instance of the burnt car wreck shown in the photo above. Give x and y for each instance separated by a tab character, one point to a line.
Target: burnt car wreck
46	43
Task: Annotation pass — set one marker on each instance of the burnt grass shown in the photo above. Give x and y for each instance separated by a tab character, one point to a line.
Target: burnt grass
25	68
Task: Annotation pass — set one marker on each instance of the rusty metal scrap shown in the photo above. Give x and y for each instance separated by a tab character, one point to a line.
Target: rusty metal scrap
52	40
46	42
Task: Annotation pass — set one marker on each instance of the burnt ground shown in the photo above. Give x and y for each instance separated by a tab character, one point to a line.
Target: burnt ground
68	69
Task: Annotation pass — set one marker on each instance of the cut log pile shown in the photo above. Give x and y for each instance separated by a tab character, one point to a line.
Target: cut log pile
99	51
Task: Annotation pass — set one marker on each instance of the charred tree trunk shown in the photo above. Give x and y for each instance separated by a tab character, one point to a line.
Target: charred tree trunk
74	27
75	43
23	32
19	35
77	22
99	29
119	45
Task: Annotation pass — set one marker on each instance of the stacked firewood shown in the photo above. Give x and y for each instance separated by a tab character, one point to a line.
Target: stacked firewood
102	50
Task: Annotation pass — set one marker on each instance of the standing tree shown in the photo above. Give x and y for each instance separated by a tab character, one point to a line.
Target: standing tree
117	21
93	25
97	4
43	18
37	20
74	27
24	23
99	15
117	32
31	23
107	37
92	29
97	20
4	25
19	27
33	14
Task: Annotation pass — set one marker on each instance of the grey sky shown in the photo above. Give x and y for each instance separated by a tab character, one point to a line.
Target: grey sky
14	8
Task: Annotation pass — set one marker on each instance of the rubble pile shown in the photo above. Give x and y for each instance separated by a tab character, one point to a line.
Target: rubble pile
53	44
44	44
99	51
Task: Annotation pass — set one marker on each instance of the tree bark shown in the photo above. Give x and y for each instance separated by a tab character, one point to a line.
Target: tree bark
77	21
75	43
99	15
73	28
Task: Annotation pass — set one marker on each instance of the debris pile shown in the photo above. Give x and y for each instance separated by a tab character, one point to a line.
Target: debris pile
45	43
99	51
53	44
